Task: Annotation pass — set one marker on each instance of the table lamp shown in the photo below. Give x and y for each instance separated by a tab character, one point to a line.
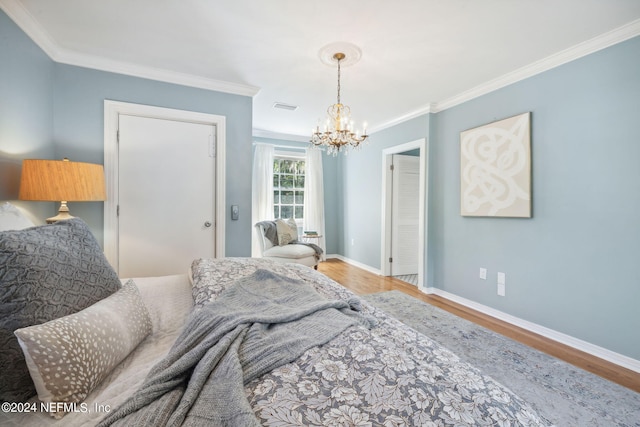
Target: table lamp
61	181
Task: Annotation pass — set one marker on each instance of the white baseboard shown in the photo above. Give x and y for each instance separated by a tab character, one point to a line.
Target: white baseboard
578	344
592	349
355	263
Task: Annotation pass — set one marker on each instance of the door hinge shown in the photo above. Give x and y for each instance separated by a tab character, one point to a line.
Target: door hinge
212	146
391	167
390	259
118	210
118	136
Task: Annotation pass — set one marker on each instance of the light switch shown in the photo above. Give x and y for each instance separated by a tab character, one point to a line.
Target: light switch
501	279
483	273
235	212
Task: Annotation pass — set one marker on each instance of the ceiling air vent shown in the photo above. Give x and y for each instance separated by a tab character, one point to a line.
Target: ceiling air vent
284	106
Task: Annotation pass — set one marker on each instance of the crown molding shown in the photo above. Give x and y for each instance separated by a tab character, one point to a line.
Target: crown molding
588	47
167	76
425	109
580	50
25	20
585	48
263	133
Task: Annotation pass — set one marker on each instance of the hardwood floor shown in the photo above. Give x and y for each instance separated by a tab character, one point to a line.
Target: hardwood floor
363	282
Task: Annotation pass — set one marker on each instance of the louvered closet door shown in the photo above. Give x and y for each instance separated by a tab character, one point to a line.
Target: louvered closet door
166	195
405	215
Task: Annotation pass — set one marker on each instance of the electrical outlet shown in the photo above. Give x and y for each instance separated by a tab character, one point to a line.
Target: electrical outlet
502	282
501	289
483	273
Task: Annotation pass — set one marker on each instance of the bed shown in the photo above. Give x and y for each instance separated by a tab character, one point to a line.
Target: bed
373	371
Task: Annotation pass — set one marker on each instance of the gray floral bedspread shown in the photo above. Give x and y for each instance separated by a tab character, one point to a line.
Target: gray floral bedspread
387	376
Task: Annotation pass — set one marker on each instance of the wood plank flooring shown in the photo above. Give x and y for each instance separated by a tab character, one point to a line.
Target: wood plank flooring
363	282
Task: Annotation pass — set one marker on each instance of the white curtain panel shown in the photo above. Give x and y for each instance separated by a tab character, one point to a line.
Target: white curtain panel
262	185
314	197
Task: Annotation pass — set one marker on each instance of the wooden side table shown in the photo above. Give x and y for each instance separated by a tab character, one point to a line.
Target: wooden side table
311	238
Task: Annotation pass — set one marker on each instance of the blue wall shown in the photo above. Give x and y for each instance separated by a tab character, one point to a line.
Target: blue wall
51	110
26	118
79	95
361	190
573	266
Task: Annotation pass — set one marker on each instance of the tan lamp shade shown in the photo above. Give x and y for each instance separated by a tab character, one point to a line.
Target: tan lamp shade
61	181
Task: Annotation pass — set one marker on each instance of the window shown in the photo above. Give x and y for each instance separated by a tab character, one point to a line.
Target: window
288	187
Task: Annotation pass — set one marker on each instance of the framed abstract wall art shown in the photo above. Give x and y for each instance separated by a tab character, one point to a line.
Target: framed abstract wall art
495	169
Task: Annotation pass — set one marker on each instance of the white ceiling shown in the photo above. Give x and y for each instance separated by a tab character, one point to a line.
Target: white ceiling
417	55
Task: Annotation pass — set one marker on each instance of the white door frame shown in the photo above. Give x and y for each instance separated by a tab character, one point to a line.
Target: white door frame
385	249
112	109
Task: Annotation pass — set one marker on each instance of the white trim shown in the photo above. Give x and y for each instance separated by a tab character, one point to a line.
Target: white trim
23	18
98	63
112	109
385	223
580	50
578	344
592	349
27	23
263	133
613	37
356	264
426	109
289	153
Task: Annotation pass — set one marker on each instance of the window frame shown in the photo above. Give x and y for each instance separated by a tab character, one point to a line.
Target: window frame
295	156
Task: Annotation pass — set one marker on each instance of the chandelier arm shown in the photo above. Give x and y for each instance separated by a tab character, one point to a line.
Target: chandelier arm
338	132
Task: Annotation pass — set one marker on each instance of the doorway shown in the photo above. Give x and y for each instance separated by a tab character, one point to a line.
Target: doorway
390	220
164	173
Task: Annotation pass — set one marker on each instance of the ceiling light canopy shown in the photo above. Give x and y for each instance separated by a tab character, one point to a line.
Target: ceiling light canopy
338	133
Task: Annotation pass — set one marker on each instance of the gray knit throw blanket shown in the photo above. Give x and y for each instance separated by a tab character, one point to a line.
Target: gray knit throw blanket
261	322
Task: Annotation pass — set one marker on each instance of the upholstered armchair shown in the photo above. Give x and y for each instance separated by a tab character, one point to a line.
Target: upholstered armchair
291	251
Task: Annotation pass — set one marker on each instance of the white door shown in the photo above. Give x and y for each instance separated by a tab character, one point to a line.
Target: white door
166	196
405	215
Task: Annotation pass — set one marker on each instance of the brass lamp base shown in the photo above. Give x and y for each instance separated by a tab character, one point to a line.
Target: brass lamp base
63	213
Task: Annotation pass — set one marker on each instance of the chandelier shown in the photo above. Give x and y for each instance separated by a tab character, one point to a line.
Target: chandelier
338	132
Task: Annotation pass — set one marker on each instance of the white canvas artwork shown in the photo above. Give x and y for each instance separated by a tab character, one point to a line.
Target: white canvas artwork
495	169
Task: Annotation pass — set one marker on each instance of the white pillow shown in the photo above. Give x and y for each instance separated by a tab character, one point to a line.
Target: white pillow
294	228
11	218
287	231
68	357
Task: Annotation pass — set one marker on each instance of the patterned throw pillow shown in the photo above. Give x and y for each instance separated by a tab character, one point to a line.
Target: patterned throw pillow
287	231
294	228
46	272
70	356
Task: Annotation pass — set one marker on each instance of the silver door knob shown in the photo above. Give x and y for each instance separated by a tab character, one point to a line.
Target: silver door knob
207	224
